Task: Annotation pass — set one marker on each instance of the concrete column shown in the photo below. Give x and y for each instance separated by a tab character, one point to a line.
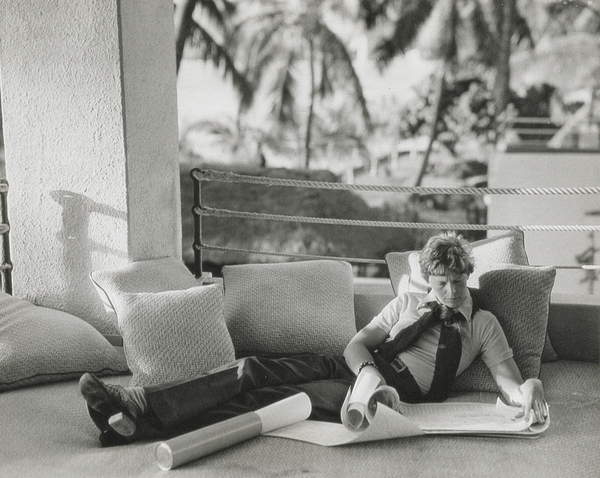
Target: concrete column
90	127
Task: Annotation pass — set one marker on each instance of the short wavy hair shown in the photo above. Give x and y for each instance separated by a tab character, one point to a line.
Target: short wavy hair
446	252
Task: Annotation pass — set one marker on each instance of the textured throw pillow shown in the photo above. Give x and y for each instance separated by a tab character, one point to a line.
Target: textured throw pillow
519	296
291	307
39	345
506	248
174	334
153	275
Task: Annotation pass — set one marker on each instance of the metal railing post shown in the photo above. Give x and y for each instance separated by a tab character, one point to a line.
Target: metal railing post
6	266
197	224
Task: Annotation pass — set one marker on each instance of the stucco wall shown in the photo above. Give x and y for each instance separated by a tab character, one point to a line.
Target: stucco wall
525	169
90	133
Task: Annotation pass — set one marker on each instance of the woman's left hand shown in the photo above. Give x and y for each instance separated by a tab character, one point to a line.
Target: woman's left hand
532	401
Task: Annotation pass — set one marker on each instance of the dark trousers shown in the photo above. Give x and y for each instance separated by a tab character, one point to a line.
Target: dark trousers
248	384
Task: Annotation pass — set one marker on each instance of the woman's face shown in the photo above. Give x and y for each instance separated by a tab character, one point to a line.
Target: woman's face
450	289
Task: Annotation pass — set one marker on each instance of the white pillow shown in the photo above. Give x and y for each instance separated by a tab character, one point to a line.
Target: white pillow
172	335
305	306
39	345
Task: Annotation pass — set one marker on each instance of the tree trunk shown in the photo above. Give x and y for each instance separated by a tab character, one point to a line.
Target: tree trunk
437	114
183	23
309	119
502	81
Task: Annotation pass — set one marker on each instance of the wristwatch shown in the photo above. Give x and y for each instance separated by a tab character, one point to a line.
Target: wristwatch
366	363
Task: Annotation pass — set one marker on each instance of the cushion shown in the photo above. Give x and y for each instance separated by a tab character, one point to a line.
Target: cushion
506	248
153	275
519	296
305	306
39	345
174	334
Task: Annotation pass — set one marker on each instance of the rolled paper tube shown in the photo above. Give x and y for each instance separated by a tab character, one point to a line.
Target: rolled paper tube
193	445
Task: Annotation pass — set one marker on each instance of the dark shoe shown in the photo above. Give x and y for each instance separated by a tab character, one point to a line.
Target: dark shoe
105	401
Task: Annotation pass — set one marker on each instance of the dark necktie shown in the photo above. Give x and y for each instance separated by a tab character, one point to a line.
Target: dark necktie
447	356
448	352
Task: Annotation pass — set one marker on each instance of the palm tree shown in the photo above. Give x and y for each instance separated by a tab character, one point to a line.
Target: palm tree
283	39
202	31
458	33
239	141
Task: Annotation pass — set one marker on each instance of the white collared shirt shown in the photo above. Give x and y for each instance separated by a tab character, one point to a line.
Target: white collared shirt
481	334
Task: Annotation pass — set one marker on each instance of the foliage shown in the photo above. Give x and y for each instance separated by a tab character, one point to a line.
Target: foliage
467	113
461	31
234	140
289	237
468	120
574	15
277	43
205	25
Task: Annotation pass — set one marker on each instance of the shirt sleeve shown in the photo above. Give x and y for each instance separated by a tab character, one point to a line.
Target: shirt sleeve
494	346
389	315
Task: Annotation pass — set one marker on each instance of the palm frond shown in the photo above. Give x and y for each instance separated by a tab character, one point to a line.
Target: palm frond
437	37
228	6
213	127
523	31
372	11
216	11
259	44
266	59
340	53
211	50
474	35
259	20
406	28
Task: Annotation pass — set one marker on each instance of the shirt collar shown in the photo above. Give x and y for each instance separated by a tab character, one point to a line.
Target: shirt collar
466	308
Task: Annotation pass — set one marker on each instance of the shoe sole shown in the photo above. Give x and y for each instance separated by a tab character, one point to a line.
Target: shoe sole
110	408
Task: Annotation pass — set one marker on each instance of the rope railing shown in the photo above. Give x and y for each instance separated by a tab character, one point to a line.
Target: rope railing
209	211
201	210
229	177
356	260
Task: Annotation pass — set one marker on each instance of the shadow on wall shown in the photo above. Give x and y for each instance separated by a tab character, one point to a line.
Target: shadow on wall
77	248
